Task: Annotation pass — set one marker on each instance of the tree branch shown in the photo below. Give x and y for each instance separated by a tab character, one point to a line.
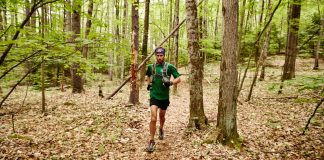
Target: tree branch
15	37
13	88
32	55
5	31
310	118
270	19
152	53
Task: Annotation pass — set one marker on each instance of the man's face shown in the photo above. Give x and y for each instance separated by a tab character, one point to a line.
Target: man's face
159	57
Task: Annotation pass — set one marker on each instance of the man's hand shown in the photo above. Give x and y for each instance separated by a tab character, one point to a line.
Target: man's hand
149	87
167	82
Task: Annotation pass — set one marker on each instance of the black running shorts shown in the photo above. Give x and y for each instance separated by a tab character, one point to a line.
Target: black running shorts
162	104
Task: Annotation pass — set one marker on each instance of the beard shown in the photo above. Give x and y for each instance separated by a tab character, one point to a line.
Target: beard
160	61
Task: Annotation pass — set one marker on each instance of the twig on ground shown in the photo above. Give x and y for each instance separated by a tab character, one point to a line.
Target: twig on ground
310	118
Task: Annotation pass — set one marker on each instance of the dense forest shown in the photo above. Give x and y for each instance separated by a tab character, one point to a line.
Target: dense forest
72	78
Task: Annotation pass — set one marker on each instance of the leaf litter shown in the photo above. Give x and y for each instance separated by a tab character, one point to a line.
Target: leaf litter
85	126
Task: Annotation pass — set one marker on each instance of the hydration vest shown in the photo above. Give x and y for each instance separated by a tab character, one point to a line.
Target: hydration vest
164	71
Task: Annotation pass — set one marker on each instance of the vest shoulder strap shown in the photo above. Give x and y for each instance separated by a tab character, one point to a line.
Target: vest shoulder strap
165	69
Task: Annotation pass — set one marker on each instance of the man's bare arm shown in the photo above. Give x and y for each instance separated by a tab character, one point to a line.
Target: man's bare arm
176	80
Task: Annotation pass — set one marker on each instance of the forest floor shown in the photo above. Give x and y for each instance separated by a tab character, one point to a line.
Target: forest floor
85	126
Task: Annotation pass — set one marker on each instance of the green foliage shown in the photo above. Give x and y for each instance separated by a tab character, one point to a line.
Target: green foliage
305	100
307	82
211	48
276	124
21	137
314	82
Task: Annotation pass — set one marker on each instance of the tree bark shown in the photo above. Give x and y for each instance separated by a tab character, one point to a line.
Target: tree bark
176	41
226	116
134	93
145	39
291	49
77	82
197	118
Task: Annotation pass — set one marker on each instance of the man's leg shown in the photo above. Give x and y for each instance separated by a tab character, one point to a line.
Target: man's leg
162	118
154	109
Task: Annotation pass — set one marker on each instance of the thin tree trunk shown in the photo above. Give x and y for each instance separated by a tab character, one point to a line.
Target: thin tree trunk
43	23
262	57
318	47
241	31
145	39
27	10
170	43
125	28
67	16
216	20
176	41
88	28
257	45
197	118
117	38
111	54
226	116
134	93
5	20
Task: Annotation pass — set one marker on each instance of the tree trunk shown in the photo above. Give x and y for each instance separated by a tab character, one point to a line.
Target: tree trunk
33	19
226	117
145	39
176	41
5	20
2	28
27	10
134	93
241	33
262	57
197	117
291	49
266	45
77	82
67	16
318	47
111	54
170	42
42	26
125	29
257	45
87	29
117	39
216	21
